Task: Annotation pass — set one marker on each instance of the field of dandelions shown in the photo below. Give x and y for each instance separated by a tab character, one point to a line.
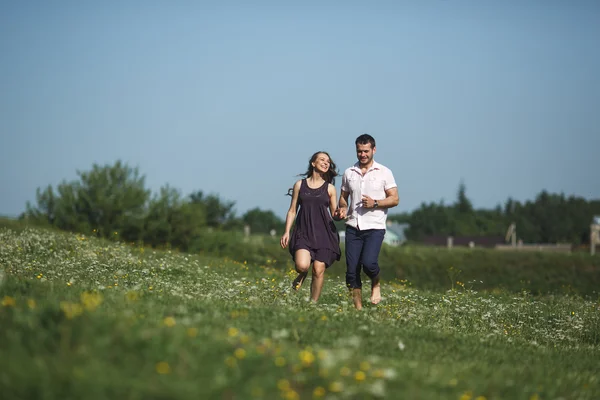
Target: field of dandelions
85	318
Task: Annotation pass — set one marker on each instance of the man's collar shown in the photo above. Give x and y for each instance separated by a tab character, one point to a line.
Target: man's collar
375	165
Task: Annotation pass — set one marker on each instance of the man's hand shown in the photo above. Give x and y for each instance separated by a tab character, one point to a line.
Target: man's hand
340	214
367	202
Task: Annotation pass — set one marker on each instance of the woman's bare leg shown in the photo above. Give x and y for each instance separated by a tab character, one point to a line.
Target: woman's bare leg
316	284
302	260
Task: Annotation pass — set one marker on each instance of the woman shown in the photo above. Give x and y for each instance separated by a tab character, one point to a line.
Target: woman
315	238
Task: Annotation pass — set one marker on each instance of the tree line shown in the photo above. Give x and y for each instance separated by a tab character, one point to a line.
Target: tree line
549	218
112	201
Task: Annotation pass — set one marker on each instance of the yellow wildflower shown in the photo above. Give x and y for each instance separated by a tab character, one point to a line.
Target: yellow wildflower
359	376
233	332
91	301
131	295
307	357
240	353
336	387
280	361
31	303
319	391
283	384
230	362
71	310
466	396
192	332
8	301
169	321
163	368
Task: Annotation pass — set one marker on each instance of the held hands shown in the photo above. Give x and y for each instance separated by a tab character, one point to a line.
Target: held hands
340	214
284	240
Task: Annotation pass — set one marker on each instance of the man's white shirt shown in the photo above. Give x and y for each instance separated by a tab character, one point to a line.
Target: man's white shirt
373	183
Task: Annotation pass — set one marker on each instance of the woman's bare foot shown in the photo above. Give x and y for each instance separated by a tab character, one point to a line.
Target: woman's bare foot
297	283
375	291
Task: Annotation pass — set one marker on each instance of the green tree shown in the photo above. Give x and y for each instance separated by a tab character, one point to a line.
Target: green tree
172	220
463	204
219	213
262	221
107	199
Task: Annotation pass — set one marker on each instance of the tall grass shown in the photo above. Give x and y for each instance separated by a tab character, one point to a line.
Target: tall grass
84	318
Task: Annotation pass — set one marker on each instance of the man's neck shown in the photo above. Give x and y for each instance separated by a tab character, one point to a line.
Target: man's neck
365	167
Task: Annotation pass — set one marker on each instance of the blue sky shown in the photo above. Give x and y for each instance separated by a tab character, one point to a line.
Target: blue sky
233	98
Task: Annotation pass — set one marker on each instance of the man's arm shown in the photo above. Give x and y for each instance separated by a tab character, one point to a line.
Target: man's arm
391	199
342	208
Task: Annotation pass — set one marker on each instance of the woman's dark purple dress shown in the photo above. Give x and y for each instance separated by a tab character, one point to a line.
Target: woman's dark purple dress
314	229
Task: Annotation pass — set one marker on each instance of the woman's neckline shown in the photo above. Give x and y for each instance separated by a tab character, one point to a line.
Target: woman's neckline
306	180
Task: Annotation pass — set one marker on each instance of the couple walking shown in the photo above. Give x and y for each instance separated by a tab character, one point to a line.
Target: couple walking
314	240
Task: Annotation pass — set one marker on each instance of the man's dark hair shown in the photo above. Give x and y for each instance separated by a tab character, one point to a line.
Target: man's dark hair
365	139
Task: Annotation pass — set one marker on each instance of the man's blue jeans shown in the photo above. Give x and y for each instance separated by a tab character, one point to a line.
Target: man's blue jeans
362	250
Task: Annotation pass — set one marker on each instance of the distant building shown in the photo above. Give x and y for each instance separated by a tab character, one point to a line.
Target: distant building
395	233
468	241
597	220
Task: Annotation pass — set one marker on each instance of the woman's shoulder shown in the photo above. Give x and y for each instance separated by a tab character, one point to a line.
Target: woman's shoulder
330	188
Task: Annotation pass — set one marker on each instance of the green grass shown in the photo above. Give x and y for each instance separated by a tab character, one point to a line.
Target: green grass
83	318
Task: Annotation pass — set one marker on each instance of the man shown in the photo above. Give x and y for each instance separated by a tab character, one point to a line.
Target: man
372	190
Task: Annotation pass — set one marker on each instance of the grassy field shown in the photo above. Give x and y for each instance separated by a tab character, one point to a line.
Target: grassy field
84	318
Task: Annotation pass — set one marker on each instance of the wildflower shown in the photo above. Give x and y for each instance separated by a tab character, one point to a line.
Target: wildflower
466	396
8	301
359	376
163	368
319	391
233	332
31	303
91	301
283	384
336	386
280	361
345	371
291	395
378	373
131	295
71	310
192	332
230	362
480	398
401	345
365	366
307	357
240	353
169	321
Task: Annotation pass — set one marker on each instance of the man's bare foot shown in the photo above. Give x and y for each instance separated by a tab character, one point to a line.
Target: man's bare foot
297	283
357	298
375	291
